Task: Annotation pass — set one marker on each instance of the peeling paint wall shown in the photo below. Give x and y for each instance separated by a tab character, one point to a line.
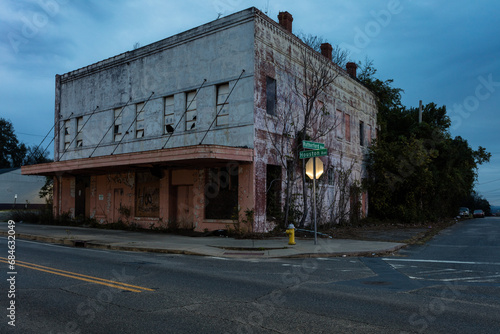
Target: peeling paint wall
177	195
216	52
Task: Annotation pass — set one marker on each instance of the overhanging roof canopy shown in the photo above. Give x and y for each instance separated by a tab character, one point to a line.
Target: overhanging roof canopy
181	157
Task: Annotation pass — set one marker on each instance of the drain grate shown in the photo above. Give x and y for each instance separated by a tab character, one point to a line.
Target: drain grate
79	243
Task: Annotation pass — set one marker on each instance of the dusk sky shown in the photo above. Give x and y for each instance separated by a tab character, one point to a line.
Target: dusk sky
446	52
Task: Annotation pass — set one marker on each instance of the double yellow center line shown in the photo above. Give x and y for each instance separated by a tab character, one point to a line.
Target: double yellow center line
81	277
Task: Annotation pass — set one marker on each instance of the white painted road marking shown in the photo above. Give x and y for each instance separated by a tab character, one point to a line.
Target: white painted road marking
441	261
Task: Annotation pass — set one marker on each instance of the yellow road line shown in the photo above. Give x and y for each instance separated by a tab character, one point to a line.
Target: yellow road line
86	278
81	275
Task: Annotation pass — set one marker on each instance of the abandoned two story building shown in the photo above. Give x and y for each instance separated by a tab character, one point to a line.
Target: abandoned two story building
179	130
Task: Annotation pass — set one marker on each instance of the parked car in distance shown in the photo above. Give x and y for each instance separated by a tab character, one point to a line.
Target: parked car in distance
478	214
464	212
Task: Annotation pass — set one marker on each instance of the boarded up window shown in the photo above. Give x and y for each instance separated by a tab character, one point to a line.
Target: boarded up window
331	176
168	113
361	133
369	135
191	113
364	204
321	107
273	191
221	193
79	128
117	133
147	195
338	123
67	134
347	120
139	121
271	96
222	105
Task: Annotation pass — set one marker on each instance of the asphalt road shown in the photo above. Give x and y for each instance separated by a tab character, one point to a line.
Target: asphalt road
450	285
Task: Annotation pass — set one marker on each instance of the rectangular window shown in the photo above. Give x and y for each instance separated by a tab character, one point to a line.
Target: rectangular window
168	113
369	135
347	120
79	127
271	96
331	176
139	121
338	123
222	105
67	134
117	133
361	133
321	107
191	112
221	191
79	124
273	191
364	204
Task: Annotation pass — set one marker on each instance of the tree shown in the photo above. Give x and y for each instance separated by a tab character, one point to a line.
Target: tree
12	152
35	155
16	154
417	170
339	56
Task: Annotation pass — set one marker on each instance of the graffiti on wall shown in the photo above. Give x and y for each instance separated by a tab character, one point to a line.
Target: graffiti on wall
147	194
127	179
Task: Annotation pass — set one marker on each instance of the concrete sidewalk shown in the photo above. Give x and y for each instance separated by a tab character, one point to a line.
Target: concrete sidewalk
207	246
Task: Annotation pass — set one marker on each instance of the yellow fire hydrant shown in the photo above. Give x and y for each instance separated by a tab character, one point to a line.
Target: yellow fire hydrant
291	234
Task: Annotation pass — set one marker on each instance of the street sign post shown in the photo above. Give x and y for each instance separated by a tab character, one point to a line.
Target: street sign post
317	150
314	202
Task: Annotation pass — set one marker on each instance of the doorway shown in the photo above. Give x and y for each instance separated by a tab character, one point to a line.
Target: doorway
82	196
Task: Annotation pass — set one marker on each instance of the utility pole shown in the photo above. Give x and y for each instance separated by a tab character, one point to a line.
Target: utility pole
420	112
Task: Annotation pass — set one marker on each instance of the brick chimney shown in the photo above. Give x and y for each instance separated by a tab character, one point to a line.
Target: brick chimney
326	50
351	69
285	20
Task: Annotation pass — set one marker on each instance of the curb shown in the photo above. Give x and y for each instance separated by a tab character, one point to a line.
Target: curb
91	245
78	243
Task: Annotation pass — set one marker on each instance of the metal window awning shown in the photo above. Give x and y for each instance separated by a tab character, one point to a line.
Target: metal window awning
182	157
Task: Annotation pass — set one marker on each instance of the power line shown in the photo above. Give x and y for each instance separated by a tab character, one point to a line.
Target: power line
135	119
77	133
224	104
480	184
29	134
112	125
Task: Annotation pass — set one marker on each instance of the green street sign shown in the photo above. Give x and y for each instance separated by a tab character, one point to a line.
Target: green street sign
312	145
313	153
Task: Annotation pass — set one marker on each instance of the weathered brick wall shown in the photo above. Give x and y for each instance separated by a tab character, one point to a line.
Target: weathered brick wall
280	55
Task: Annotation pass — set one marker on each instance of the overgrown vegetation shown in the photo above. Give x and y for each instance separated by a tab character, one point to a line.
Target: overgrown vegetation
418	172
301	115
242	223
